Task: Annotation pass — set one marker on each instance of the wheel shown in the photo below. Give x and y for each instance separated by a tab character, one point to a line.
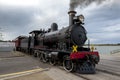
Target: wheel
40	56
68	65
35	54
52	61
44	57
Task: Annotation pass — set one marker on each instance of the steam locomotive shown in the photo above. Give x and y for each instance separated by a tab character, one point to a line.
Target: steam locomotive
63	47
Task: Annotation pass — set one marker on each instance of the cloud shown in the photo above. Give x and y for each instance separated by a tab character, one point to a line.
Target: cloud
102	22
14	21
19	18
113	28
19	2
15	17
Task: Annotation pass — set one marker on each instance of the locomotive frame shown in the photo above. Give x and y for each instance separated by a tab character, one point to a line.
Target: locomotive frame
63	47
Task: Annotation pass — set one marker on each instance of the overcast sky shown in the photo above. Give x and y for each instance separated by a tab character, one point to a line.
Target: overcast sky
19	17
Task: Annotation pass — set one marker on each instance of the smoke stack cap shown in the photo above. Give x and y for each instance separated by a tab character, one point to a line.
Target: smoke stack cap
72	12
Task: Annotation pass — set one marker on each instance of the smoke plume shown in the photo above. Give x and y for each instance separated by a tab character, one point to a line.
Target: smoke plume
83	3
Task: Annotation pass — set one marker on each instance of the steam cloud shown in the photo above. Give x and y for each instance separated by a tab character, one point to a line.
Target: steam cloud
83	3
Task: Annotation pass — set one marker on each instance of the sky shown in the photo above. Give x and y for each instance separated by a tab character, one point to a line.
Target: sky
19	17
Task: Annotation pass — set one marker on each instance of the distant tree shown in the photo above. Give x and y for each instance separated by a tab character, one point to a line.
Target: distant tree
118	43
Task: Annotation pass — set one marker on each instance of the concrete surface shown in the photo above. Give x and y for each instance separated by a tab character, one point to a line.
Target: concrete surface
59	74
36	76
17	64
110	63
26	75
11	62
10	54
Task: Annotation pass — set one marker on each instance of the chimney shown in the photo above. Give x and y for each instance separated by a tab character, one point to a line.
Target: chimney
71	16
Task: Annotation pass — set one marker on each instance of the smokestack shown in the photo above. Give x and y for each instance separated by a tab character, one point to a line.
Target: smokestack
71	16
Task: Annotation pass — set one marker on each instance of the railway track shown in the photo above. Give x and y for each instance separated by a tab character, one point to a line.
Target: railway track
99	75
109	72
85	78
109	66
111	60
76	74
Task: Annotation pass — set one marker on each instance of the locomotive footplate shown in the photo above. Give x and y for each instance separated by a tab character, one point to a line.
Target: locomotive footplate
81	55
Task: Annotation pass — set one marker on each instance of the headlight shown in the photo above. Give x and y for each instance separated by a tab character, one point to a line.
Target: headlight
81	18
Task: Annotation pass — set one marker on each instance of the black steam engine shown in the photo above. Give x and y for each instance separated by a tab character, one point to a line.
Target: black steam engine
63	47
